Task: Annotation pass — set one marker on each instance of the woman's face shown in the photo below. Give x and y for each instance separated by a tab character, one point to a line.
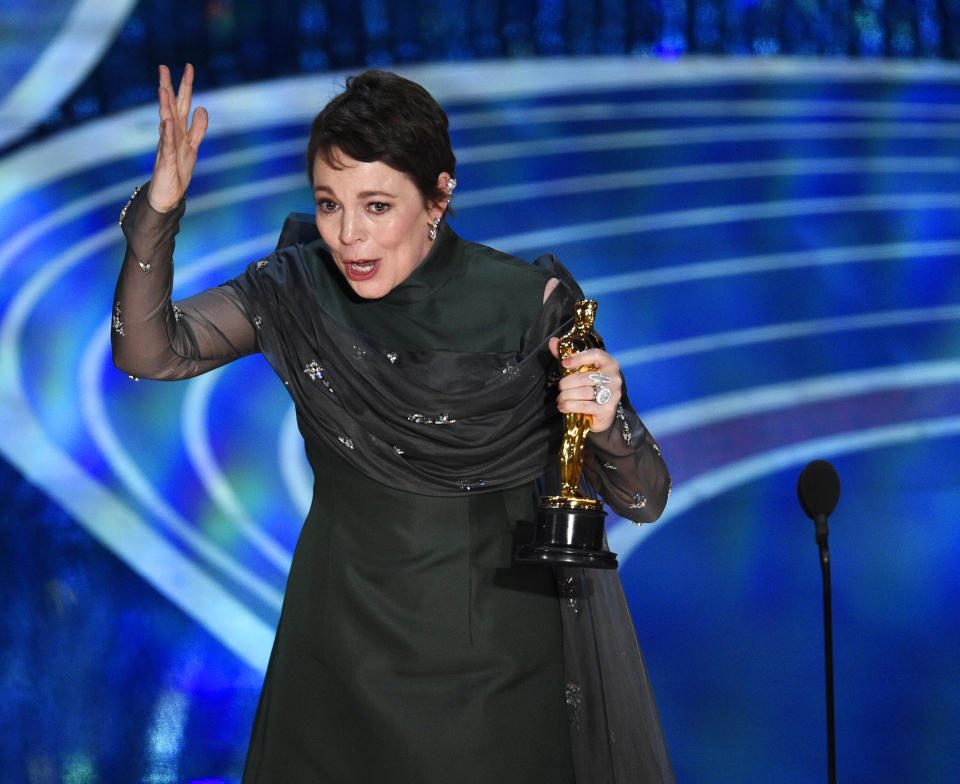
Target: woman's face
374	220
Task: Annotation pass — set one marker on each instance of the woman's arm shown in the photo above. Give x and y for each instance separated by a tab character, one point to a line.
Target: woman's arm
625	466
153	337
620	458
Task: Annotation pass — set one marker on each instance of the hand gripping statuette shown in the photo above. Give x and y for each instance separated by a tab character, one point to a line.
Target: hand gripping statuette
569	528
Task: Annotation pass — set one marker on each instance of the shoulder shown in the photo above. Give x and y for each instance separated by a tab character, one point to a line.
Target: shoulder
269	276
499	267
503	280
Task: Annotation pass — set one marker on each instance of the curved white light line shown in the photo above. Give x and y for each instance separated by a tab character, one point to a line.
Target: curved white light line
21	241
124	532
259	105
624	539
125	468
196	444
716	408
254	248
252	155
194	417
734	107
11	327
18	244
110	520
194	428
714	134
768	262
87	31
269	186
730	213
706	172
786	331
115	194
294	468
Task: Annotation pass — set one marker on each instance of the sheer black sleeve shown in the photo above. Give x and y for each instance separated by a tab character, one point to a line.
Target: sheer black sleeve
623	463
153	337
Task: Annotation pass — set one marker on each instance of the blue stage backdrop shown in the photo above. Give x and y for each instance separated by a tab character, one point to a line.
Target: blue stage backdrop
763	198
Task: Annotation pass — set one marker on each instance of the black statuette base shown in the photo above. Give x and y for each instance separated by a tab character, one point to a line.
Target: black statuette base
568	536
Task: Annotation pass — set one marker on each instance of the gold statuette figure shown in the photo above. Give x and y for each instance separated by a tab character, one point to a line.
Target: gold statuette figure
570	526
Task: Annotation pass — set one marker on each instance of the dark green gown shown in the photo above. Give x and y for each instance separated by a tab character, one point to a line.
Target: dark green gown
410	649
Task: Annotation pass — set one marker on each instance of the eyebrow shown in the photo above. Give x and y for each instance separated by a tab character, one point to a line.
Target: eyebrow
362	195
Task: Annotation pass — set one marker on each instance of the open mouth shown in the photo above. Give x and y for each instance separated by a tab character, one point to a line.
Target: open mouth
360	270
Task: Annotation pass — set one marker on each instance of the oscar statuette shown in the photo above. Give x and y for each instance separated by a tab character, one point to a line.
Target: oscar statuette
569	527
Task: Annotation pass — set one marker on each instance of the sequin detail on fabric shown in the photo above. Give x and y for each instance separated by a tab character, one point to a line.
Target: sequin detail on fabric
573	696
117	321
315	371
569	592
423	419
625	431
126	207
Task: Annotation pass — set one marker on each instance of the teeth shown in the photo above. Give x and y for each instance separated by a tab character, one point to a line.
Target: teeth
363	268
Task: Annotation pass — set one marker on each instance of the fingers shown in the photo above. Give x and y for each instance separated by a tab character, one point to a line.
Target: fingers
185	93
175	110
580	388
578	392
165	103
597	357
180	101
165	81
198	127
555	347
179	140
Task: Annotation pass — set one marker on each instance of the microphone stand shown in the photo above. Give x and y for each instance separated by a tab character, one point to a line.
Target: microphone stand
822	533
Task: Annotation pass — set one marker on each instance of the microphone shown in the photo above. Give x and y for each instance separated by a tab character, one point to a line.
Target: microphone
818	489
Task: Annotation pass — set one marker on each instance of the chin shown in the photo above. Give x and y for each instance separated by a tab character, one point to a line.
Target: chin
369	289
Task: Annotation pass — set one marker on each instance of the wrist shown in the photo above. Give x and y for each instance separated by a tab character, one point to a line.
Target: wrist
159	204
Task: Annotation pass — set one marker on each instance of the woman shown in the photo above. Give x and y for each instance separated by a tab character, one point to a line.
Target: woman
410	647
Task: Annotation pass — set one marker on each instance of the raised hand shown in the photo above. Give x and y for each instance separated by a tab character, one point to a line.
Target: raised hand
179	140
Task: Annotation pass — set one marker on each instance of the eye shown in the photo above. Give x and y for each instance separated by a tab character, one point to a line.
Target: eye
378	206
326	206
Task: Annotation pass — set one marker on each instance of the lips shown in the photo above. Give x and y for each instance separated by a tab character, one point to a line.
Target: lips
362	269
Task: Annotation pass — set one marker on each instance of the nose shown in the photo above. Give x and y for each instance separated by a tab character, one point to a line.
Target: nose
350	227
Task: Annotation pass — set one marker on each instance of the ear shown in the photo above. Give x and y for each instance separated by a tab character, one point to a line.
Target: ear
446	184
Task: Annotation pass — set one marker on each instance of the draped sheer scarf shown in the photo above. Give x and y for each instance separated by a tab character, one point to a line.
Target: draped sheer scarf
437	422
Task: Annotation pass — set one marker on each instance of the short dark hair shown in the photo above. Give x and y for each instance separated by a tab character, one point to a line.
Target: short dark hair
381	116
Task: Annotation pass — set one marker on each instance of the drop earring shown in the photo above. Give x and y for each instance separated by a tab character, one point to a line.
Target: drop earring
432	233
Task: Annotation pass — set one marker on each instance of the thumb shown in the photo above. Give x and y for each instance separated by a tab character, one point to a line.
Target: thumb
555	347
